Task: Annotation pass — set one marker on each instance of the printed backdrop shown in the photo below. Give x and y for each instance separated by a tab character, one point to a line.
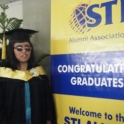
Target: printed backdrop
87	61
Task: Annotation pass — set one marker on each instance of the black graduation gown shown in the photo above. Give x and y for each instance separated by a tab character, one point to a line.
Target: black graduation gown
12	98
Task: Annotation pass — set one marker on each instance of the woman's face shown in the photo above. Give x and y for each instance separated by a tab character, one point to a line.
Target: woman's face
22	51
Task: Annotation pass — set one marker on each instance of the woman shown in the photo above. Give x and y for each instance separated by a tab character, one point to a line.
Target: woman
25	94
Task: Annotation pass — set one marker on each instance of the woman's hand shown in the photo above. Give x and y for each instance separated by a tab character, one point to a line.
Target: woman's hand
48	122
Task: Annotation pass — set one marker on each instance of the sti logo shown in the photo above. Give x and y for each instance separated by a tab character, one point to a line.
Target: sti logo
84	18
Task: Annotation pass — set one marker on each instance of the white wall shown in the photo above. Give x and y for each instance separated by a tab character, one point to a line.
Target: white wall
14	10
36	15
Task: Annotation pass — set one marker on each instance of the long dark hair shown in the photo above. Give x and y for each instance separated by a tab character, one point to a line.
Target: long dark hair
13	62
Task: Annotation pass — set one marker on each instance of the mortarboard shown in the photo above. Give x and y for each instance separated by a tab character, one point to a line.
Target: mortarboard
20	34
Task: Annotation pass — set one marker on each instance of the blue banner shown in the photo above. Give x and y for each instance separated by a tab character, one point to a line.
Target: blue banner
98	75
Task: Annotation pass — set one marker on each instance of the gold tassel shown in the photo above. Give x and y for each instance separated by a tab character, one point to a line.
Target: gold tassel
3	49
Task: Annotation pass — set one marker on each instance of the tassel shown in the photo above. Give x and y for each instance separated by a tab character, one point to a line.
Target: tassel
3	49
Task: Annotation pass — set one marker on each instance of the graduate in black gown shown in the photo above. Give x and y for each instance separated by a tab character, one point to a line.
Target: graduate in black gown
25	92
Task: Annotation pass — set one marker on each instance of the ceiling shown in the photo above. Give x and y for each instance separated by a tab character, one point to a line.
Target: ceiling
7	1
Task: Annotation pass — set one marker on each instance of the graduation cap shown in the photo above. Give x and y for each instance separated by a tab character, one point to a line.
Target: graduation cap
20	34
